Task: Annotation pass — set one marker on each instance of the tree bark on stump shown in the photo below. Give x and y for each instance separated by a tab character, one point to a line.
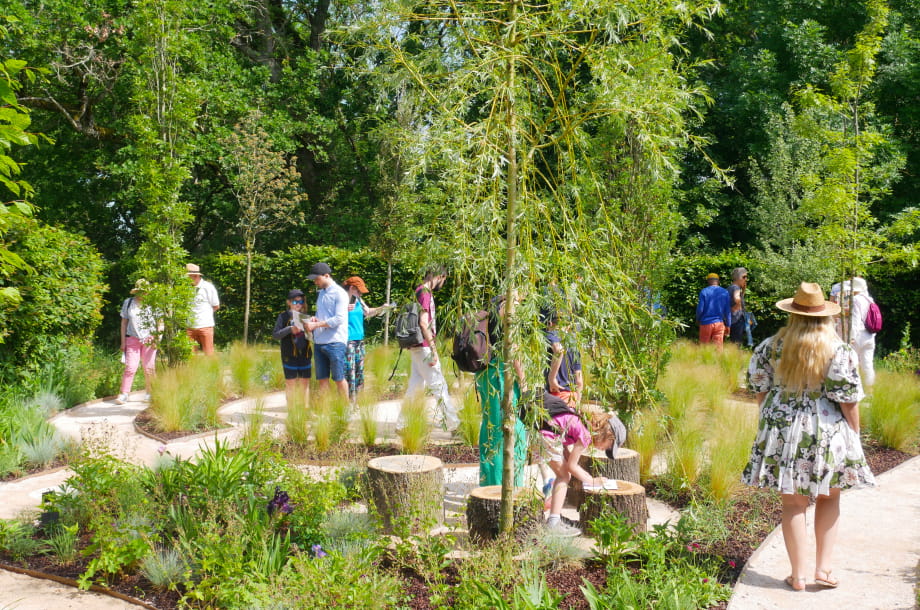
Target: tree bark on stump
483	510
408	492
628	500
623	467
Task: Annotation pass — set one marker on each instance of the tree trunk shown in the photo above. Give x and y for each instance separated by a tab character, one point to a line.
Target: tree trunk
408	492
483	512
386	313
628	500
506	521
248	284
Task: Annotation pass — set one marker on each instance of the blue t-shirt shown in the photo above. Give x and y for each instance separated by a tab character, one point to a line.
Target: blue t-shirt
714	306
356	321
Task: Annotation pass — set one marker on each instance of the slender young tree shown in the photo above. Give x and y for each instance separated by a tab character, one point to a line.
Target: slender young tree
519	105
266	187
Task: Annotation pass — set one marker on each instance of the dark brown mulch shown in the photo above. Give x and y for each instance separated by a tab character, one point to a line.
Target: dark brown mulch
146	422
30	470
132	585
569	580
452	453
881	458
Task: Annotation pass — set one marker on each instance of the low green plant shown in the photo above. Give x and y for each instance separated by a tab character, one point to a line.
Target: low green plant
17	538
666	570
41	445
415	426
164	567
892	414
10	459
348	531
47	401
531	594
62	542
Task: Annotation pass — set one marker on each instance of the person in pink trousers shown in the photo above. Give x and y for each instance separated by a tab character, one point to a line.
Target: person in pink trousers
138	340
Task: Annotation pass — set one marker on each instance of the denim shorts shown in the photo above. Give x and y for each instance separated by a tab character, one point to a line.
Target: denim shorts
329	358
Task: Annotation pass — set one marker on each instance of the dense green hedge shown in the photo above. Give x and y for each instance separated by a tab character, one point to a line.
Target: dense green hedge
895	288
61	297
275	274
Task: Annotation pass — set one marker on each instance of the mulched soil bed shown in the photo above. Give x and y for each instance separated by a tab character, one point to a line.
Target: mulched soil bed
449	453
755	513
30	470
146	423
132	585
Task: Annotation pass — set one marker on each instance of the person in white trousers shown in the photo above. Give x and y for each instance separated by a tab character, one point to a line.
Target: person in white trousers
861	339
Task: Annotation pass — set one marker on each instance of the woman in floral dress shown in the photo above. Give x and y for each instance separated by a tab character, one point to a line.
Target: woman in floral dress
807	445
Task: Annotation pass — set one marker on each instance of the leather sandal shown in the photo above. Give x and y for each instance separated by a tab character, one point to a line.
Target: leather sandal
824	579
796	584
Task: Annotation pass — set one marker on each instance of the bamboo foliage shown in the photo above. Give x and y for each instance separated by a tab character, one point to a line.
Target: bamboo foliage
554	130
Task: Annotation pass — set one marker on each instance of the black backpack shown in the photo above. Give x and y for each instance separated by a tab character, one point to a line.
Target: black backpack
553	405
472	347
408	332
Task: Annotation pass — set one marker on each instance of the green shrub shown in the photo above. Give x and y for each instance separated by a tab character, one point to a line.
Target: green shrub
892	414
61	299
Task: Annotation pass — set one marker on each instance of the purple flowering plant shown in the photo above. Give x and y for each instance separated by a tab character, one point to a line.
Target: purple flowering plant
280	503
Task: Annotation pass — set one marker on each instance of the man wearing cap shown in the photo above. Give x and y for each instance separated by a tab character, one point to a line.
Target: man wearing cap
713	312
736	294
205	303
329	328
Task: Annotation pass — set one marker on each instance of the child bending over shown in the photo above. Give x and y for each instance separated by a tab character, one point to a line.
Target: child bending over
566	439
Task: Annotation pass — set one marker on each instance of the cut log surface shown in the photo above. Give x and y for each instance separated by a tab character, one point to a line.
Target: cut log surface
623	467
628	500
483	510
408	491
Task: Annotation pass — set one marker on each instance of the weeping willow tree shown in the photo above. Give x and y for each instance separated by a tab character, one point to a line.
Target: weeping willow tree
554	130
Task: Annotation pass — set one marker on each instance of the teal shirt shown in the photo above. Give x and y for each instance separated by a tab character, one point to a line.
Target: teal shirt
356	321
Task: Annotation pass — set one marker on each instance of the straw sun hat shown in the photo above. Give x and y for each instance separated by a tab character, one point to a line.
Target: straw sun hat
809	301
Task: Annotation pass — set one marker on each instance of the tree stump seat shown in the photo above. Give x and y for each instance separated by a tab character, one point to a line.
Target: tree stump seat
628	500
623	467
407	491
484	508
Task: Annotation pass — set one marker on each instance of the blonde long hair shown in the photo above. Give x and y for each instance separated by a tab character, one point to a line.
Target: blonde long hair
807	347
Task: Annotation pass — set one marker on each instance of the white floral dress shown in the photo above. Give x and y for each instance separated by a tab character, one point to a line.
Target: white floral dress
804	445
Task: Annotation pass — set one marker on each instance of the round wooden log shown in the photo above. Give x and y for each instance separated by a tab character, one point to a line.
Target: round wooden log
408	491
623	467
483	509
628	500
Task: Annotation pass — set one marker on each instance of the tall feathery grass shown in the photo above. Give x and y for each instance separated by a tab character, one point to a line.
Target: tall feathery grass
297	422
687	457
330	419
416	428
367	418
378	366
644	438
187	397
892	414
470	415
734	429
253	368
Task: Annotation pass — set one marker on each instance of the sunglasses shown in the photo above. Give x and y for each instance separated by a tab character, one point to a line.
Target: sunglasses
297	302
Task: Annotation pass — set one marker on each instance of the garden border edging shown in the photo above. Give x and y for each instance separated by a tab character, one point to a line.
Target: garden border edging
70	582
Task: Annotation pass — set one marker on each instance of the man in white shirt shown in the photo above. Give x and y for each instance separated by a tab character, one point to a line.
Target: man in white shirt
205	303
330	329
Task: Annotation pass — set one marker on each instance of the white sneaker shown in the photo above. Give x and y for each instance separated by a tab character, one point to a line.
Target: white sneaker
122	399
608	484
146	398
560	528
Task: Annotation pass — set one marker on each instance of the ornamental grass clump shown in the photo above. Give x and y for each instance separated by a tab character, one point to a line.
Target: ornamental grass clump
470	416
165	568
686	456
415	428
187	397
378	366
367	418
732	434
891	415
647	430
297	422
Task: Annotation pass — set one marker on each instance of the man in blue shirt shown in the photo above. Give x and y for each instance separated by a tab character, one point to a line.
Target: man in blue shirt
713	312
330	329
